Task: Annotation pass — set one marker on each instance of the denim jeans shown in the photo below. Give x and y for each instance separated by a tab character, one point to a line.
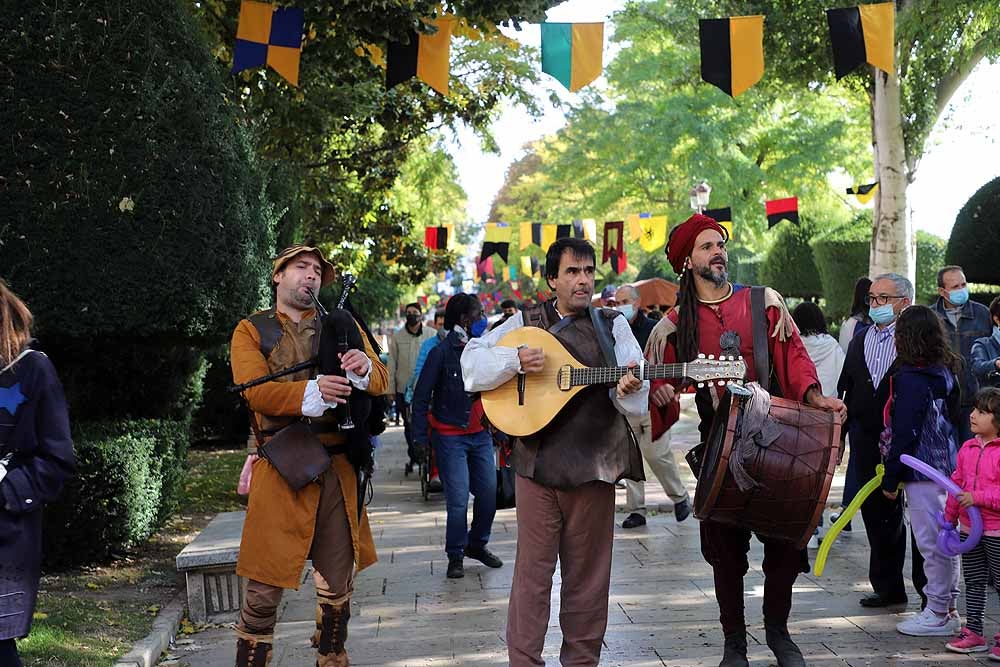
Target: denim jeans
465	463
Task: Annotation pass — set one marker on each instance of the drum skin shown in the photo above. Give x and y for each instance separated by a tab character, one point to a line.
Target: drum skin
794	472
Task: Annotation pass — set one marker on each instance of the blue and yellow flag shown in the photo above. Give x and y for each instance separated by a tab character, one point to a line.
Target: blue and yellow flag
269	35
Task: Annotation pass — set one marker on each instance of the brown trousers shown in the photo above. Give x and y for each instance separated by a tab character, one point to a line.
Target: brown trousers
576	526
332	555
725	548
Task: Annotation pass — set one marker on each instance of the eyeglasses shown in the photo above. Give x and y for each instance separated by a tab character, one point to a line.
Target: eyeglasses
880	299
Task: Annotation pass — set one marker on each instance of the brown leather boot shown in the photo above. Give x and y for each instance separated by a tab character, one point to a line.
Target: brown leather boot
331	634
252	653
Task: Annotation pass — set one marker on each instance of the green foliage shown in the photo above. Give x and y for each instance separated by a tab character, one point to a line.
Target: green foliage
930	258
132	188
128	481
841	256
975	239
222	415
656	266
744	265
789	266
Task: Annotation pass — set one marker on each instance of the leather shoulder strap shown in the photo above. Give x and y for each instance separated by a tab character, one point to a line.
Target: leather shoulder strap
267	325
601	328
761	354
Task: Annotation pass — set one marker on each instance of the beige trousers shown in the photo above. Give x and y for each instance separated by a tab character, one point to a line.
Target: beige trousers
658	459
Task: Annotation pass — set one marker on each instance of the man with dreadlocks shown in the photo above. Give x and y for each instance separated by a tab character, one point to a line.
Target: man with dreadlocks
713	316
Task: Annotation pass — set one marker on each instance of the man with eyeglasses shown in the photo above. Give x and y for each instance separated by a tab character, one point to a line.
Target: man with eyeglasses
865	383
964	321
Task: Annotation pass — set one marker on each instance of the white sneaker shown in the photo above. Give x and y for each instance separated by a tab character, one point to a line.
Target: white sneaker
929	624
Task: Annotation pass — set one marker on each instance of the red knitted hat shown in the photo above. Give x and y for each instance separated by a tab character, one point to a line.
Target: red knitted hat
682	238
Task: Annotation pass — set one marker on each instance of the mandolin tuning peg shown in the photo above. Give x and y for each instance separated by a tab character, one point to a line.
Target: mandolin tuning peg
711	356
722	383
701	356
701	385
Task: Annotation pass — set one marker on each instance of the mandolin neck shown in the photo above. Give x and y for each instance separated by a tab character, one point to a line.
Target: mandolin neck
610	374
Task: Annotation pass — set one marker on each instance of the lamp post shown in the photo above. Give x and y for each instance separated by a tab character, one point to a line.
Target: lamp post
699	196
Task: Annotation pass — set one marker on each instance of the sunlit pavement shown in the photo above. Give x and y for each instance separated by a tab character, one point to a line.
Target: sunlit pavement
662	609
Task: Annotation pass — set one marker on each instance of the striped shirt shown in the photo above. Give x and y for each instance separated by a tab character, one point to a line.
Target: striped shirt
880	351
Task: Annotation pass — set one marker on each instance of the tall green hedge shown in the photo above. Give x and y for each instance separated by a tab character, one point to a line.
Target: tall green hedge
930	258
841	256
137	227
975	239
744	265
789	266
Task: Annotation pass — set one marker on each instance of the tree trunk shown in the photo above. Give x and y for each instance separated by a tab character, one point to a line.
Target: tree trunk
893	247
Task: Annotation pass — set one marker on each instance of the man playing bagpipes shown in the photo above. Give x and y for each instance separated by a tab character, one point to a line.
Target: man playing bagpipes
715	317
297	512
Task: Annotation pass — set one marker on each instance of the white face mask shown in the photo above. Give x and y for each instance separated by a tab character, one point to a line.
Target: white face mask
628	310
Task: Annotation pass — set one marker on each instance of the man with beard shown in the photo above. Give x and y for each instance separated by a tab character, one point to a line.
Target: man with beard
714	316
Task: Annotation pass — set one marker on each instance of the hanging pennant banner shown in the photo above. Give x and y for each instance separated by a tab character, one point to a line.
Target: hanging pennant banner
524	235
497	240
863	34
425	57
573	52
782	209
563	231
723	216
269	35
864	193
634	229
436	238
654	232
732	52
548	236
614	245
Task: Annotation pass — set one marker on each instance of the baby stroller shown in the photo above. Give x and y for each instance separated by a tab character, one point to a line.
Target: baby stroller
430	481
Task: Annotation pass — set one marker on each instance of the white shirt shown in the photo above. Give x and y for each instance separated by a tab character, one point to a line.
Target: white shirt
486	365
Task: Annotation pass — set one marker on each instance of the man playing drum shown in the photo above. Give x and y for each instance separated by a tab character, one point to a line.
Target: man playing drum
713	316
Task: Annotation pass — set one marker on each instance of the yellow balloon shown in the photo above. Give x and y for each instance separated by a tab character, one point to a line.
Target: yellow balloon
846	516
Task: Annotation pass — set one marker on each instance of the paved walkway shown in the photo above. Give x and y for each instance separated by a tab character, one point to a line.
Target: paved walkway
662	608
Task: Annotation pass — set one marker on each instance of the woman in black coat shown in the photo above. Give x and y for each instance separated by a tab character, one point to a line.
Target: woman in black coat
36	458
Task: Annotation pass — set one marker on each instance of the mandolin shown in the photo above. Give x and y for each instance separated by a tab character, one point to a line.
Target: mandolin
526	403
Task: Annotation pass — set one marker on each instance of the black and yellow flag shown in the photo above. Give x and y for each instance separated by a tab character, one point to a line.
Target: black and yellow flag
732	52
723	216
864	193
425	57
863	34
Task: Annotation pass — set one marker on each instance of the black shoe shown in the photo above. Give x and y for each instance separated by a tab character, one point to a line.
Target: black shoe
484	556
682	510
455	568
408	469
784	649
734	652
634	520
878	600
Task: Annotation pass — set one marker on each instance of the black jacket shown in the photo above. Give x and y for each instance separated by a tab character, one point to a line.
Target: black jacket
865	402
441	389
641	328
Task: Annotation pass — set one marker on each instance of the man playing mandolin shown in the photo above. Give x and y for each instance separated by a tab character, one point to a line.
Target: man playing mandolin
713	316
566	472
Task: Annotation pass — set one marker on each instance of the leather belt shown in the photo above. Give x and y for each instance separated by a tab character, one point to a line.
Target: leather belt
316	427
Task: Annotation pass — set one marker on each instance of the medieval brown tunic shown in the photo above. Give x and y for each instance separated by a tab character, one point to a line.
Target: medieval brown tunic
280	523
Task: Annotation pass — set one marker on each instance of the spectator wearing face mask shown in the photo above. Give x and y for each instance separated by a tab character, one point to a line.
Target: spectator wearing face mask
404	348
452	419
964	321
986	352
651	430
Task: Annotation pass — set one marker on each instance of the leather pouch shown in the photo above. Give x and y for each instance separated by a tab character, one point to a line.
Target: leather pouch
297	454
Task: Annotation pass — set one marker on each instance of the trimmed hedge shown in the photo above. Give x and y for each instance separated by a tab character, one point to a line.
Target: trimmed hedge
930	258
841	255
744	266
789	266
975	239
129	477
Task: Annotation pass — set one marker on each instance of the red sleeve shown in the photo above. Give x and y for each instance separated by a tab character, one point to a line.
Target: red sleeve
792	366
661	419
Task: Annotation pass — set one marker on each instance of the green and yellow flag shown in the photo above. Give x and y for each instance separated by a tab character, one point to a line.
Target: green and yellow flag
573	52
732	52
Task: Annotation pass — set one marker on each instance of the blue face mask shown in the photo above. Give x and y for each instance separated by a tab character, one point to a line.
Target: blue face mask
628	310
478	327
959	296
881	314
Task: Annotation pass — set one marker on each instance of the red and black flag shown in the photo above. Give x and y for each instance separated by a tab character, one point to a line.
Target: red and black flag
864	193
782	209
732	52
436	238
424	56
614	250
863	34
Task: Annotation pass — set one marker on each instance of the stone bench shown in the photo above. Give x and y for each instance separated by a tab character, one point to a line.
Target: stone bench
214	592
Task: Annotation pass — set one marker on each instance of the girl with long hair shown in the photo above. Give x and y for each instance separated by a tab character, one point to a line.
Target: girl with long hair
36	458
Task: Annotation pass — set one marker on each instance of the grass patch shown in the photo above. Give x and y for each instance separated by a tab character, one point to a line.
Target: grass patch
90	616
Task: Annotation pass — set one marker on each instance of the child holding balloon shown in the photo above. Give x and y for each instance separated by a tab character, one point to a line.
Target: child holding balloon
978	475
925	400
